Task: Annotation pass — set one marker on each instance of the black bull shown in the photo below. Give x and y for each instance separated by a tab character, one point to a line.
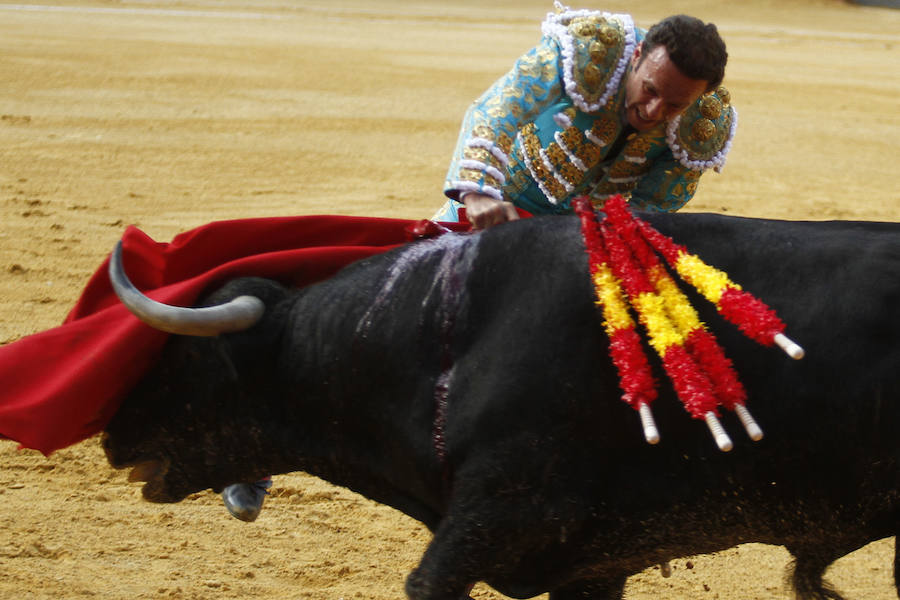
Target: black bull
466	382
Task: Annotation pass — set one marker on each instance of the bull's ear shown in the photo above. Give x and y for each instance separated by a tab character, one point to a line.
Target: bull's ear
236	315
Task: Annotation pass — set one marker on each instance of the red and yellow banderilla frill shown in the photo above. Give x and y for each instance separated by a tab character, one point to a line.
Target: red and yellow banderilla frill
623	257
635	378
756	320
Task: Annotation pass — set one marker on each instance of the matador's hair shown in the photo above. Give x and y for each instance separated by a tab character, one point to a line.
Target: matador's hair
693	46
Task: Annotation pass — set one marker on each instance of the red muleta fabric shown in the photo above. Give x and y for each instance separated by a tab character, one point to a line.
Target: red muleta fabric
63	385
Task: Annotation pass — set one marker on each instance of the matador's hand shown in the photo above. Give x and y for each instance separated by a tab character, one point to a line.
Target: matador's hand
484	211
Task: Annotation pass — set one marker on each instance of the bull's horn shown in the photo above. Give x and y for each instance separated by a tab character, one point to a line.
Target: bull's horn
238	314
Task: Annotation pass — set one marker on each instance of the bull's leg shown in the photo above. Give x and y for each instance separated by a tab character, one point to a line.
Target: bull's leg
447	570
809	567
597	589
897	565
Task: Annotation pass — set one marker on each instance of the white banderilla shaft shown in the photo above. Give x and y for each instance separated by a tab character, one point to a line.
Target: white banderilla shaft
753	430
790	347
651	433
718	432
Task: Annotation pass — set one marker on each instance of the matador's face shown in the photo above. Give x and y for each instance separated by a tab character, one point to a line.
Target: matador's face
656	90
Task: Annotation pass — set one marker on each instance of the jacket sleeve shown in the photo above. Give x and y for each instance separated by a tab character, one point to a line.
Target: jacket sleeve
491	123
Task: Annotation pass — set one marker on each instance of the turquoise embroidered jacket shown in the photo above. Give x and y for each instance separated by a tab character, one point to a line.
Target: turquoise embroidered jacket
547	131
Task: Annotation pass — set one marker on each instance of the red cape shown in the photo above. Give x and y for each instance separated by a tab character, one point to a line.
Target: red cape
63	385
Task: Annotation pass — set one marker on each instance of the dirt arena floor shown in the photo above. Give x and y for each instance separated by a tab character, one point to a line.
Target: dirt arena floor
169	114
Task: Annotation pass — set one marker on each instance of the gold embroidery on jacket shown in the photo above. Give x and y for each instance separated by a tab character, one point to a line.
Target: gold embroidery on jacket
539	172
604	130
478	176
563	165
623	168
582	148
483	131
480	154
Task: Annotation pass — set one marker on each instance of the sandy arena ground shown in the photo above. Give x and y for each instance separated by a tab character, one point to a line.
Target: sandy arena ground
169	114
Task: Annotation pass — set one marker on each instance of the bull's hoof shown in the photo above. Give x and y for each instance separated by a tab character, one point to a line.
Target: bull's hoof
245	500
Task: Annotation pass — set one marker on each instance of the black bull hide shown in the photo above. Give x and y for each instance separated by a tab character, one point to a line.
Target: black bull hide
466	382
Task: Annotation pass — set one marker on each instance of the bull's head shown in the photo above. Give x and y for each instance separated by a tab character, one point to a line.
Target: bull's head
191	423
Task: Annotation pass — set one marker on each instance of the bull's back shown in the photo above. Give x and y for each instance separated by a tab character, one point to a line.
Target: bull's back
548	407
